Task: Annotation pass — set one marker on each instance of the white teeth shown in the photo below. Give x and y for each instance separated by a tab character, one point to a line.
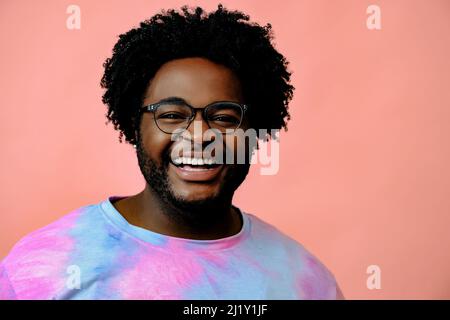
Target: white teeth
193	161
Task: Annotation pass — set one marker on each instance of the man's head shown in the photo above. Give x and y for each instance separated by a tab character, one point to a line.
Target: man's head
198	82
200	59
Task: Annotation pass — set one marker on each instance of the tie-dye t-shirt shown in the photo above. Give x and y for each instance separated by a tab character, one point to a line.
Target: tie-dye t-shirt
94	253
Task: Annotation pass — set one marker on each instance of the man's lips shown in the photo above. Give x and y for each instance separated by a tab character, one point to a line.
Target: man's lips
196	173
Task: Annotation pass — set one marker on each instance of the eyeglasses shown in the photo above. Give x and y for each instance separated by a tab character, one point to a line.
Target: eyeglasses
173	114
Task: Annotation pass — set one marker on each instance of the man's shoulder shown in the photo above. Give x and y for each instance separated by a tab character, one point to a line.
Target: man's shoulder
37	263
45	243
293	254
271	235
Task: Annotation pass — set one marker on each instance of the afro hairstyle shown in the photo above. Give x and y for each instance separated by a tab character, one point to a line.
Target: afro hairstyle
222	36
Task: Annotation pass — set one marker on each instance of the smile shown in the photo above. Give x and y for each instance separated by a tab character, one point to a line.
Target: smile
194	162
196	169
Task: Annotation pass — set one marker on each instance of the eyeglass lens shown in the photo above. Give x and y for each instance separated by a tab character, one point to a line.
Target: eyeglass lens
175	116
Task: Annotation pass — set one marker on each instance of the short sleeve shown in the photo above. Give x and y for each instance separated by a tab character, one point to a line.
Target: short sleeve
339	294
6	289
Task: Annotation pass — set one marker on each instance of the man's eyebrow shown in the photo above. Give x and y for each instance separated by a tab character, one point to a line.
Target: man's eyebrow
172	99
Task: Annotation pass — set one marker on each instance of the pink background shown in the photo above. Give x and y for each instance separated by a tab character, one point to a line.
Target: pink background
364	176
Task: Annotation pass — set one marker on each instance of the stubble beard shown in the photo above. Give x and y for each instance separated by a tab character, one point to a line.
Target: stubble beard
196	213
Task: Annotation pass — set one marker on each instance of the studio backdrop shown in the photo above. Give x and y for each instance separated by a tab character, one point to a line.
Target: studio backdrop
363	179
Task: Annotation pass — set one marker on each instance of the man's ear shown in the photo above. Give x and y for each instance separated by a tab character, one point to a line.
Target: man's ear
136	138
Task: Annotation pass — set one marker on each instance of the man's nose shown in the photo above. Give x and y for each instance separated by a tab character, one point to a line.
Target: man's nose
197	129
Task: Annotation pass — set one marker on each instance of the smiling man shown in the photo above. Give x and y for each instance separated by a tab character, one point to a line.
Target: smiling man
177	85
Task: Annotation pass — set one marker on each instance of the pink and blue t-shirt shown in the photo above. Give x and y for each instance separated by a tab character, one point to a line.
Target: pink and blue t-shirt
94	253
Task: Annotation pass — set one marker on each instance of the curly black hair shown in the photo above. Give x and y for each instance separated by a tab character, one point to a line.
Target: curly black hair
222	36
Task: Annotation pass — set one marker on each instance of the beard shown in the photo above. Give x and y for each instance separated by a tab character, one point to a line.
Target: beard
195	213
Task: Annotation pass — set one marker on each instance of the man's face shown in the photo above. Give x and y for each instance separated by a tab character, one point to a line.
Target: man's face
199	82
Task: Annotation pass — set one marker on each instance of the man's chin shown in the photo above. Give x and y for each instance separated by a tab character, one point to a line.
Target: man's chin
195	210
195	191
197	200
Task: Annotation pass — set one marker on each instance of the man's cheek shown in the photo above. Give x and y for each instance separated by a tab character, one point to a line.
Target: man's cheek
155	151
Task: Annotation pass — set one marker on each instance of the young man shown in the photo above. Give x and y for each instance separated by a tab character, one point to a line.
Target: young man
170	80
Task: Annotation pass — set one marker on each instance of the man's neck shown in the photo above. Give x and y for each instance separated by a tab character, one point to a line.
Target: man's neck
148	211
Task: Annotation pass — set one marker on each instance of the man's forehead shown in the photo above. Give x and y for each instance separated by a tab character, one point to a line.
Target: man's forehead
196	80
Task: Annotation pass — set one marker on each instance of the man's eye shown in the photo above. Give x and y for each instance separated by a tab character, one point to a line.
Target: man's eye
172	116
223	118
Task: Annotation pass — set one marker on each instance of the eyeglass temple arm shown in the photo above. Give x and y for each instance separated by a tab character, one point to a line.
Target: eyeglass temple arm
149	107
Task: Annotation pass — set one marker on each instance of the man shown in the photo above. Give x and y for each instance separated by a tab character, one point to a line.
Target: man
177	76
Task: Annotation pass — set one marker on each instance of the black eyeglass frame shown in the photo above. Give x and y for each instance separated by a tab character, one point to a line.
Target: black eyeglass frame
154	106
